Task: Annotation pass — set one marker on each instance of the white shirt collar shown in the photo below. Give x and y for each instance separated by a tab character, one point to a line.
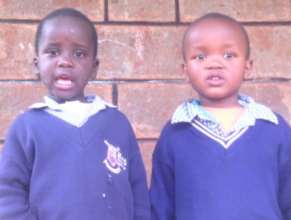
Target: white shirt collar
73	112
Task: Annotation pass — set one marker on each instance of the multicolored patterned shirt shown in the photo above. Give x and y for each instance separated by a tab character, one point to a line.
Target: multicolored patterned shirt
192	112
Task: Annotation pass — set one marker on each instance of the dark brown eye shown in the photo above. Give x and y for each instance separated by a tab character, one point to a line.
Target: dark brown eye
52	51
200	57
80	53
228	55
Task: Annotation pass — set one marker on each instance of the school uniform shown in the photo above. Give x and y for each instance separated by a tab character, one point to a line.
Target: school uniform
72	161
202	172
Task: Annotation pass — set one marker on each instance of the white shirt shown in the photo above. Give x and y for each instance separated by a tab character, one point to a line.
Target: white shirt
74	112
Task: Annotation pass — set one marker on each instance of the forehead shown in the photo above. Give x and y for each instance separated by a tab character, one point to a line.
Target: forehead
215	31
66	27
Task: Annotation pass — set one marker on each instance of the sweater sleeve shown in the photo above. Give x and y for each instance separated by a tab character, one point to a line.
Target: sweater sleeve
138	182
14	178
285	172
162	185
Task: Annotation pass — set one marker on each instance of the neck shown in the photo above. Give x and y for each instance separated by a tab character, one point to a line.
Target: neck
62	100
226	116
226	103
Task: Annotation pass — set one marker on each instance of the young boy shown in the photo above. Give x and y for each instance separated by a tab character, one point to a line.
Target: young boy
223	156
71	157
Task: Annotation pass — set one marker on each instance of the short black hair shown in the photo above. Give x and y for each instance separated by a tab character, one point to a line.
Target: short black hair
66	12
216	15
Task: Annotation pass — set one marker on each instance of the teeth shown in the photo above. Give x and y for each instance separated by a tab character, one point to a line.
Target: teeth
215	78
64	82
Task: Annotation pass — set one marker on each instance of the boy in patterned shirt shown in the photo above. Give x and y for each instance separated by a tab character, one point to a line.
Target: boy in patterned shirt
222	156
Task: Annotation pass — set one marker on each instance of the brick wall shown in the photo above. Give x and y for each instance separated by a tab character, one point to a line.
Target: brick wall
140	55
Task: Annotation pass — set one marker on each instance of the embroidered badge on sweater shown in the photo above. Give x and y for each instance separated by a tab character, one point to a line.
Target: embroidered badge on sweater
114	160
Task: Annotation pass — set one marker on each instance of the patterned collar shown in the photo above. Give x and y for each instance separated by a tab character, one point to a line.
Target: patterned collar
187	112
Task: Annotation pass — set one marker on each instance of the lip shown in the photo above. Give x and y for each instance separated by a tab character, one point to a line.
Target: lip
64	82
215	80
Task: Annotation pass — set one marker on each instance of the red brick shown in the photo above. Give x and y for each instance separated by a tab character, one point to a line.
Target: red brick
155	52
125	52
17	51
270	51
142	10
16	97
248	10
134	52
275	95
147	148
31	9
102	90
140	52
149	106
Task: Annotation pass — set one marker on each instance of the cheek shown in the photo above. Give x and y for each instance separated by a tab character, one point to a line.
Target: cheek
45	78
195	72
192	69
238	69
195	81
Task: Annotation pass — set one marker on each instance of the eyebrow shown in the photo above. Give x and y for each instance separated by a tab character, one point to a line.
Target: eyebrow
204	47
57	44
81	45
53	44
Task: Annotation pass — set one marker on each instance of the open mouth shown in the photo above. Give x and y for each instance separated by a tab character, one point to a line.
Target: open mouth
215	80
64	83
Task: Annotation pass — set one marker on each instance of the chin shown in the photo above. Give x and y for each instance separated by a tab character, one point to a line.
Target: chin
63	98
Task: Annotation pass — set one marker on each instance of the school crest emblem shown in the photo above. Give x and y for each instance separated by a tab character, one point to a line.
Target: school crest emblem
114	160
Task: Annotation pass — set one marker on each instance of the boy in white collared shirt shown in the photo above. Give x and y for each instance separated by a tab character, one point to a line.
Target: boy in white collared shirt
71	157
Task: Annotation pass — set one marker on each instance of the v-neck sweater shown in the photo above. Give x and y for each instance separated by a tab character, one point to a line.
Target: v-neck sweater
52	170
195	177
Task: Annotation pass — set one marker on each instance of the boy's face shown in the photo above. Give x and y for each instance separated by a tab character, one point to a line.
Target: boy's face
66	60
215	61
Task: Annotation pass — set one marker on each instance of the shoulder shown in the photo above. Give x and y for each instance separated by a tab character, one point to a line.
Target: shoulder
24	122
282	133
170	142
171	129
283	126
281	120
114	115
21	132
26	117
172	136
278	121
279	132
276	125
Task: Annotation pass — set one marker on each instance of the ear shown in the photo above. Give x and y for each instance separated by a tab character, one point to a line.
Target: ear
248	68
185	71
36	67
95	70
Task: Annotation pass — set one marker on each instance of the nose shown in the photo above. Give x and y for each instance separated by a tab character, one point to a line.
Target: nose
214	62
65	60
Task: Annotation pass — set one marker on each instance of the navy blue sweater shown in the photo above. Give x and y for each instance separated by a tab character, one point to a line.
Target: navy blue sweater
195	178
51	170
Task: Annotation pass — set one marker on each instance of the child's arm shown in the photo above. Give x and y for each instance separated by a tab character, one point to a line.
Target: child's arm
162	186
138	182
285	173
15	171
